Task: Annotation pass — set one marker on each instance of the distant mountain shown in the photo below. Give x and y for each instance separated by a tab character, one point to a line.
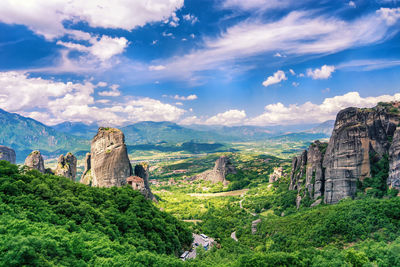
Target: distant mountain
325	127
77	128
154	132
26	134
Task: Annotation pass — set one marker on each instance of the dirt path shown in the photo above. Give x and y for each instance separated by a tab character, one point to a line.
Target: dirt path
221	194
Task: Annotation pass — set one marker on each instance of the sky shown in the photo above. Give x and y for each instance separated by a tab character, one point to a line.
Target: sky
211	62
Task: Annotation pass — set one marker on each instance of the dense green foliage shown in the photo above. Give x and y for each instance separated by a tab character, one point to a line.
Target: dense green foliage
49	220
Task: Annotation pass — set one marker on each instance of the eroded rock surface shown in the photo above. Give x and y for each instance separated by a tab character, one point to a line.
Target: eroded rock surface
357	133
109	162
315	175
276	175
394	161
298	173
7	154
66	166
142	171
35	161
223	166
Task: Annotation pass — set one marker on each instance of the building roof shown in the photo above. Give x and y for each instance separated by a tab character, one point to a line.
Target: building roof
135	179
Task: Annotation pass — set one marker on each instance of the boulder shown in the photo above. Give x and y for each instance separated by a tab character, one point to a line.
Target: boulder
276	175
7	154
109	162
67	166
35	161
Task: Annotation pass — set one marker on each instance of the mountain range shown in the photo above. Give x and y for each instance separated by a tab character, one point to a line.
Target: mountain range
24	134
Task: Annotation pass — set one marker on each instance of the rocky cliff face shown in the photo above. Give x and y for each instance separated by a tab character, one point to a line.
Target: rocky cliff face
357	134
298	173
394	161
66	166
276	175
223	166
35	161
315	174
7	154
142	171
109	160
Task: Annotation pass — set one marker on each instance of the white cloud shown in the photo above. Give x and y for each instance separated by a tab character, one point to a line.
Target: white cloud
257	4
295	84
352	4
276	78
230	117
46	17
113	92
279	55
53	102
103	48
390	15
298	33
191	18
279	114
183	98
292	72
157	67
325	72
192	36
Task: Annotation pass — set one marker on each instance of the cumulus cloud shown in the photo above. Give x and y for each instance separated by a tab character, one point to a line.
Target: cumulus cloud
189	97
352	4
325	72
53	102
113	92
276	78
47	17
280	114
230	117
390	15
191	18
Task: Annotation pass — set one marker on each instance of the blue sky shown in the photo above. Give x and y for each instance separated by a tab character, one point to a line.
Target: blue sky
225	62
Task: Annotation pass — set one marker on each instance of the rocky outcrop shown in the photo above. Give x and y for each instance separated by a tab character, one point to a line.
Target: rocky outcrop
109	163
7	154
86	177
223	166
142	171
315	174
66	166
394	161
35	161
276	175
361	138
297	176
357	134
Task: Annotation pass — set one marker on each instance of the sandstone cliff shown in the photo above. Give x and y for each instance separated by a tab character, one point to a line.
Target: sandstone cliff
357	134
7	154
66	166
297	176
35	161
109	162
223	166
315	174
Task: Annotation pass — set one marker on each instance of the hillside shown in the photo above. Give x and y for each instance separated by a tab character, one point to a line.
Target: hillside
51	221
77	128
25	134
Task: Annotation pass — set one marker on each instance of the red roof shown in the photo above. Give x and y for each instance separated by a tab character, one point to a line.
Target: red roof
135	179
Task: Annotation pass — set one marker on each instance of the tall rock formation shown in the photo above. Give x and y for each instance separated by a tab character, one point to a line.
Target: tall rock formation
67	166
223	166
297	176
86	175
142	171
394	161
315	174
7	154
109	162
35	161
357	134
